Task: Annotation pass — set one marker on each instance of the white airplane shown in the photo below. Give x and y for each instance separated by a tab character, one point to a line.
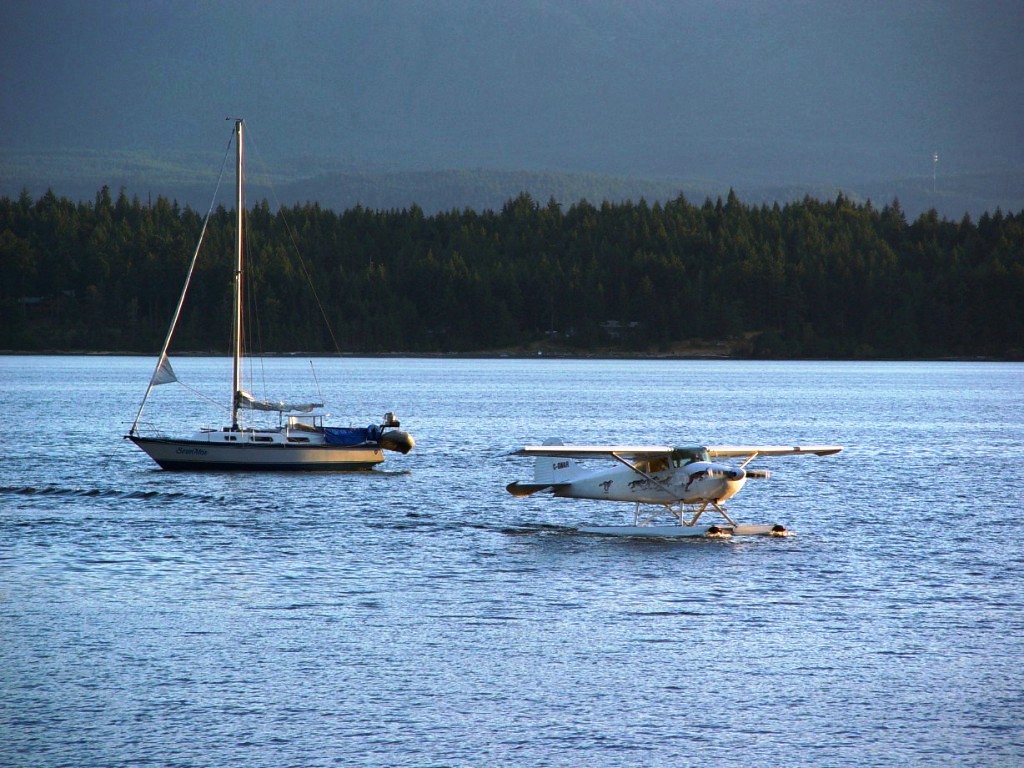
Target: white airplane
679	484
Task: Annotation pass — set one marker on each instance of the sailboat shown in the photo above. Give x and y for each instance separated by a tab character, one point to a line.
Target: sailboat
298	441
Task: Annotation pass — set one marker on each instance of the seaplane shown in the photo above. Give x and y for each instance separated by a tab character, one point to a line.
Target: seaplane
671	488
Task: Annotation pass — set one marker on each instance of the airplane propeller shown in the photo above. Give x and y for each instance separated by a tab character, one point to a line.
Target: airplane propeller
721	473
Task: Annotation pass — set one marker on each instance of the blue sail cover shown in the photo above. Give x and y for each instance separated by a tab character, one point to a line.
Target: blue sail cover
350	435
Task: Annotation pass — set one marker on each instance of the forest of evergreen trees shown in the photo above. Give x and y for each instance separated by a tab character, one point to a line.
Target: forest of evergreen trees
807	279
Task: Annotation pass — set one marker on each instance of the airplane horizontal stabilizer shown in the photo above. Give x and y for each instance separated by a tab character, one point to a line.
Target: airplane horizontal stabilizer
527	489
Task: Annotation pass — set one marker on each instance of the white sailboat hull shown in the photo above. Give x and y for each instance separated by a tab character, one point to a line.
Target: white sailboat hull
193	455
300	441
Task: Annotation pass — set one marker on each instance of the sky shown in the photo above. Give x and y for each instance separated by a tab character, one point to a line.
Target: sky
739	92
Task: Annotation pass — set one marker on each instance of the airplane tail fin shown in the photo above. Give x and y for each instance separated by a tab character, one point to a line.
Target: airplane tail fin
550	474
554	471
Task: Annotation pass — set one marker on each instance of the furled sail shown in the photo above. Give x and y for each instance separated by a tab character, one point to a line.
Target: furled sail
245	400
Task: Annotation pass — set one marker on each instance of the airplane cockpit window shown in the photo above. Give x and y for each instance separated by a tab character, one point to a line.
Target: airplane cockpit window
683	456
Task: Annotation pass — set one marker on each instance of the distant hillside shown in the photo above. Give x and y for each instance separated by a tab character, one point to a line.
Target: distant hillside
191	179
812	279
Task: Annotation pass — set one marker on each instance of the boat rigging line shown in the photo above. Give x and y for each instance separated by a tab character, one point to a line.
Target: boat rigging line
162	359
291	237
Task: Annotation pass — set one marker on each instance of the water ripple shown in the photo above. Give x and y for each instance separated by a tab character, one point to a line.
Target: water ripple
423	616
108	493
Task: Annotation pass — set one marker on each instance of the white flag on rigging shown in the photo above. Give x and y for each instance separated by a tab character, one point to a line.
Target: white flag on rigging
163	374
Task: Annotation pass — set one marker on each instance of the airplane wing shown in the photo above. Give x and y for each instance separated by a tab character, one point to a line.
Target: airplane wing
651	451
772	450
591	451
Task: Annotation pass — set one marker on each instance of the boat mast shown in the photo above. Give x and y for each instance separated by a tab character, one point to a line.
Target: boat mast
236	385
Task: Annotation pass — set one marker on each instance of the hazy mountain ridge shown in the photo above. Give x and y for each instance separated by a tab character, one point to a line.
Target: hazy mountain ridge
753	96
190	179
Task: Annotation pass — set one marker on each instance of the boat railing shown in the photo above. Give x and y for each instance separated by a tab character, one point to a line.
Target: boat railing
148	429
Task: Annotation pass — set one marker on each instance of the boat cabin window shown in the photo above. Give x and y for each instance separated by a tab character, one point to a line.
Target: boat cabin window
298	439
260	439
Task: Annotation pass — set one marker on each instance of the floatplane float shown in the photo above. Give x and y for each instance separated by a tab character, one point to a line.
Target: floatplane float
670	488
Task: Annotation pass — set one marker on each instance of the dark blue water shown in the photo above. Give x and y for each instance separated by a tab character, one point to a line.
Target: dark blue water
420	616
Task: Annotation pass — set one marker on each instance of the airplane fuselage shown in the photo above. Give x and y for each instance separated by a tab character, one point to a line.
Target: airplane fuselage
694	483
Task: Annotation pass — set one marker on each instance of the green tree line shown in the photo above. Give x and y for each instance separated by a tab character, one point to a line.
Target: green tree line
806	279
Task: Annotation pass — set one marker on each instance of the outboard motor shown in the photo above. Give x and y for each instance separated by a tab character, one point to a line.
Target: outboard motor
394	439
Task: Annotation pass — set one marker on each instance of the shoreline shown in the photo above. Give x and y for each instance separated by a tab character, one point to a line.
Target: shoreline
526	355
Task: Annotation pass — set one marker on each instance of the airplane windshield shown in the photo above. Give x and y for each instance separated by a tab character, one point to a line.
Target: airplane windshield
683	456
